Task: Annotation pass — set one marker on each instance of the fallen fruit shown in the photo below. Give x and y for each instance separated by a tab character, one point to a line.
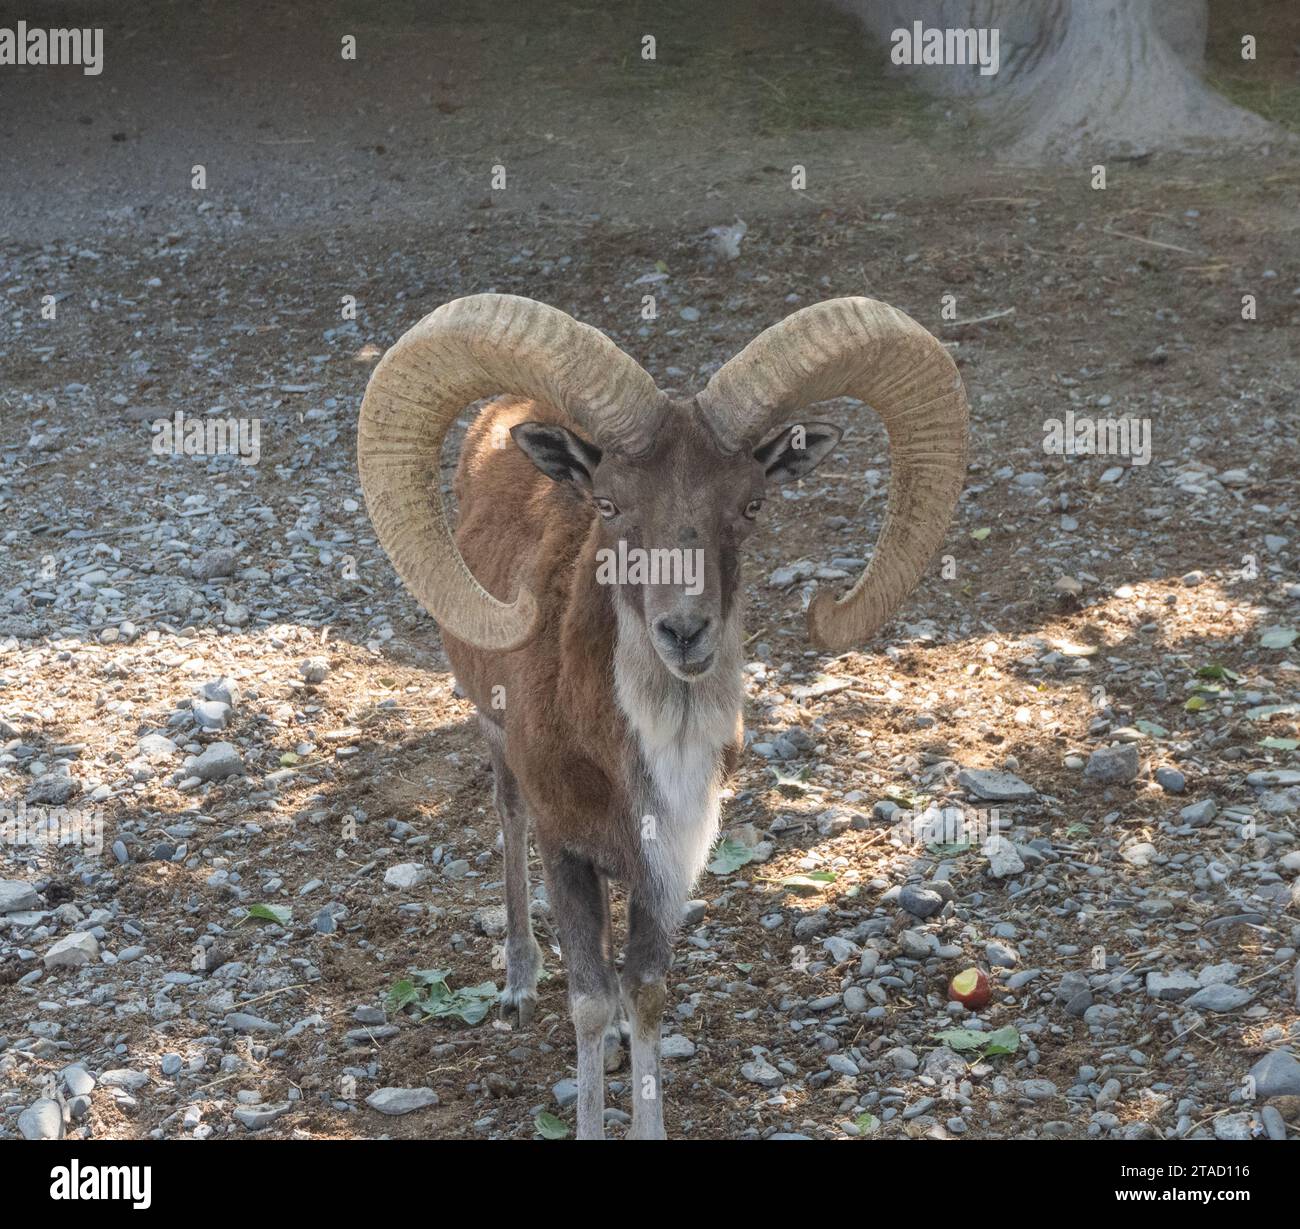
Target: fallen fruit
970	988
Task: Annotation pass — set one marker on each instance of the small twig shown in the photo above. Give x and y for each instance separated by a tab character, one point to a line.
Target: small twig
1155	243
234	1075
1211	1118
958	324
270	994
1265	973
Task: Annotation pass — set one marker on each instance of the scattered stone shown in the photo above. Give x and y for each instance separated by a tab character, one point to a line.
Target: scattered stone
994	785
1199	813
792	573
1274	777
314	670
1171	780
1233	1126
255	1117
565	1093
73	951
1112	765
1277	1074
156	748
77	1081
210	714
1004	858
920	902
915	945
840	949
491	921
676	1046
1274	1124
401	1100
1140	853
41	1120
1218	974
1000	956
856	1002
406	875
759	1072
1171	987
221	691
53	790
16	896
1219	998
219	761
214	564
245	1022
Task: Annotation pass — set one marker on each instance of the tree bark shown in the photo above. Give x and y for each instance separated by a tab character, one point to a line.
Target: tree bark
1081	77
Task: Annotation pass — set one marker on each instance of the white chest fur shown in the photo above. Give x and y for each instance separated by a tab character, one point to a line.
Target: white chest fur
680	729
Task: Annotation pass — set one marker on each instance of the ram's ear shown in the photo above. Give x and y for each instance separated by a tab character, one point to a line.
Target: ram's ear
558	453
797	451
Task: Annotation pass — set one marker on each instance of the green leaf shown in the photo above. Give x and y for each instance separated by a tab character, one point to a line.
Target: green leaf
813	879
1196	704
1278	637
794	780
470	1004
660	267
550	1127
867	1124
401	994
745	966
431	977
961	1038
270	913
1217	671
288	759
1280	744
729	856
1002	1041
980	534
913	802
1078	830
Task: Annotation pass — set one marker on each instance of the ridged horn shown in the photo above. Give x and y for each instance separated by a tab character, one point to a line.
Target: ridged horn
858	347
466	350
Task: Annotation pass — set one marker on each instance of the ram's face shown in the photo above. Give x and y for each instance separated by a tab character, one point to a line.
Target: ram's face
672	522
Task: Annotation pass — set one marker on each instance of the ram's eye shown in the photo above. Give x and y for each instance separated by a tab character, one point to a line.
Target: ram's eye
606	507
752	508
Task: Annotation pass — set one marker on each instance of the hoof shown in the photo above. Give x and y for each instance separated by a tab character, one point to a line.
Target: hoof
517	1007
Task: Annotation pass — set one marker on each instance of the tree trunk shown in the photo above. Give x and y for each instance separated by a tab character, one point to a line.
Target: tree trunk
1080	77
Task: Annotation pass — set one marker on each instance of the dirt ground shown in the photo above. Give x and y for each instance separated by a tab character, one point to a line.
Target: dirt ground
1083	594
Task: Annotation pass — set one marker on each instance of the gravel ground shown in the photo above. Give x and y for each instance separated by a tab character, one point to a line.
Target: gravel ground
275	805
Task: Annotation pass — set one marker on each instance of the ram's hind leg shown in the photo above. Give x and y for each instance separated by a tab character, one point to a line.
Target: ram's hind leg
523	955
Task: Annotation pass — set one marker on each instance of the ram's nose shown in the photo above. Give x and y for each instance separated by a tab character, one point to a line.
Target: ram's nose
681	633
